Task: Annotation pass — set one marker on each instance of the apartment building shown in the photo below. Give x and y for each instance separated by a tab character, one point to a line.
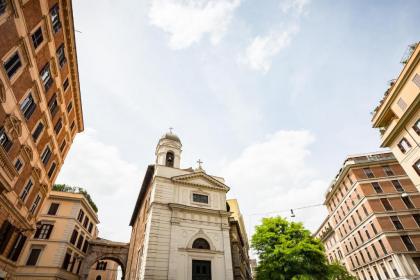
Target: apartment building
398	116
238	242
40	113
373	226
104	270
56	250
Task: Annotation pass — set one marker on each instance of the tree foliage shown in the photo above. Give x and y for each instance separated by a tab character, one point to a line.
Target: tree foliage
287	251
70	189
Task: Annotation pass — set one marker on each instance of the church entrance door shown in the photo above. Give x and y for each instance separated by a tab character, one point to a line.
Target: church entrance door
201	270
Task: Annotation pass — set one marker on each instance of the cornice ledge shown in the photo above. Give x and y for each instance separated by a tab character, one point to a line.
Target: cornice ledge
178	206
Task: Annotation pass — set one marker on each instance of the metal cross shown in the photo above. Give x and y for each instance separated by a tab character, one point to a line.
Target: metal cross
199	163
170	130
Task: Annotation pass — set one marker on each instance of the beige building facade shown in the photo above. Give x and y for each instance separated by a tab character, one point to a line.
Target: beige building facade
40	113
57	248
180	226
104	270
398	116
238	243
373	226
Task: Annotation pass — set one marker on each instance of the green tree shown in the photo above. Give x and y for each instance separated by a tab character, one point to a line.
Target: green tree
286	250
336	271
66	188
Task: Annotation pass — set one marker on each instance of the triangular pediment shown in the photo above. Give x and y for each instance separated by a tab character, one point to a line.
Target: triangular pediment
199	179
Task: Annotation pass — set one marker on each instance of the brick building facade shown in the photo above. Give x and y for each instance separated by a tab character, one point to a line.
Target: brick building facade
40	113
373	226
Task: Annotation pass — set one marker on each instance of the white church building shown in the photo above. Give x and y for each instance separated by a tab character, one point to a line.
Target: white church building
180	227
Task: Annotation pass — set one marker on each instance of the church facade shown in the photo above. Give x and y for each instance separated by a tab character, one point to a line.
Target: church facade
180	226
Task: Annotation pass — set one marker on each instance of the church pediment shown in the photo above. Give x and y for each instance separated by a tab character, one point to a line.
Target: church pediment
200	179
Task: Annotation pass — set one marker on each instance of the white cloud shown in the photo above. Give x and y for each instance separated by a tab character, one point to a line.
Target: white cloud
261	51
297	7
274	175
187	21
111	181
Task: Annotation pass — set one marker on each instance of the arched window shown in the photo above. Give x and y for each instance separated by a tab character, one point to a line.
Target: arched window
170	159
201	243
98	277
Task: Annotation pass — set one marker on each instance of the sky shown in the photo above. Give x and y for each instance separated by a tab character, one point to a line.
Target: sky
272	95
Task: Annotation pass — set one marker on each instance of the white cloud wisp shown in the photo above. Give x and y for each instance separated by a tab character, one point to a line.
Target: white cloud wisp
187	21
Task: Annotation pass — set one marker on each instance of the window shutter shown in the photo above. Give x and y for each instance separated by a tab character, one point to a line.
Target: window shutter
49	231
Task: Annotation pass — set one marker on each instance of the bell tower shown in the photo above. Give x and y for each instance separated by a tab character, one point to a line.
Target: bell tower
168	150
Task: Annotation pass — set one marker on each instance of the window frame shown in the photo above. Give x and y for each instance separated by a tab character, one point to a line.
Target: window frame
53	211
49	80
30	109
45	155
40	249
17	72
200	195
20	167
26	190
416	127
401	146
416	166
36	136
35	44
368	172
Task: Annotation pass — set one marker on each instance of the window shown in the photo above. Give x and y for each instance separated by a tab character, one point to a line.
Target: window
44	232
397	185
61	55
28	106
375	251
66	84
377	273
201	243
396	221
52	169
388	171
53	208
101	265
377	187
357	260
72	126
416	127
404	145
3	5
17	247
26	190
170	159
374	228
81	215
45	156
35	204
367	234
416	217
90	227
408	243
385	270
80	241
416	165
6	232
55	18
37	37
407	202
69	107
66	260
386	204
63	145
73	237
46	76
382	246
18	165
365	210
401	103
38	131
85	246
394	269
33	256
53	105
86	222
200	198
5	140
368	172
360	236
12	65
58	126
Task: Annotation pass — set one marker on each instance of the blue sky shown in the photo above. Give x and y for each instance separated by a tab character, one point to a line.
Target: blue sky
272	94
